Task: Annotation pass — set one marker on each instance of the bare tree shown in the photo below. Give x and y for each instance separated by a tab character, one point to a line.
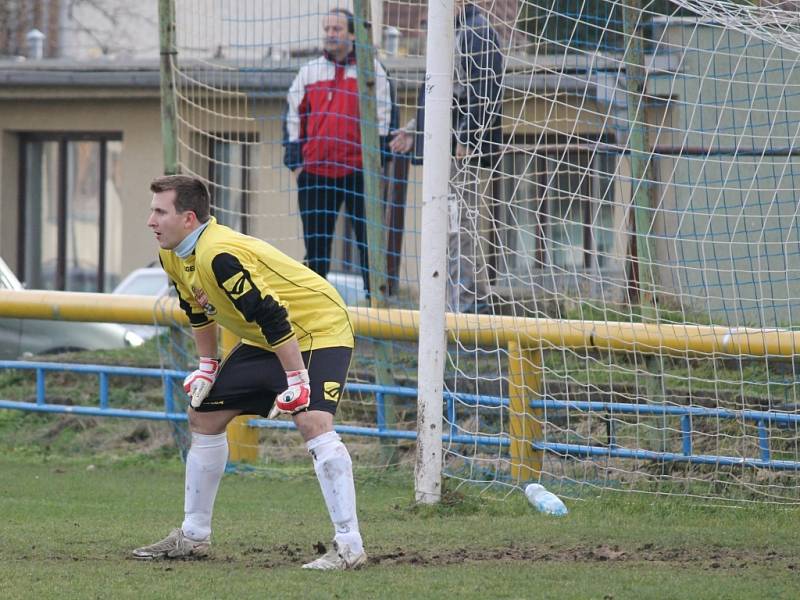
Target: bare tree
110	28
80	28
18	17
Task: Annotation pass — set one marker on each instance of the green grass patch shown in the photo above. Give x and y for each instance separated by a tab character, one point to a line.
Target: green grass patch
68	527
69	522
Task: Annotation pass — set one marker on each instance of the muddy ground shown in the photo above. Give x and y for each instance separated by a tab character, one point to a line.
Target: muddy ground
706	558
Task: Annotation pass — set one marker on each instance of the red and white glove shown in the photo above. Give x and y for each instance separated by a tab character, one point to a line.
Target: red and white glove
296	396
198	383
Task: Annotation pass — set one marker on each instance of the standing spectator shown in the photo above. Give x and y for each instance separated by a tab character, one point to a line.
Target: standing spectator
322	141
477	96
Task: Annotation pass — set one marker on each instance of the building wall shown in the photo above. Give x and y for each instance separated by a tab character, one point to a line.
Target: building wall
700	256
727	221
137	120
273	202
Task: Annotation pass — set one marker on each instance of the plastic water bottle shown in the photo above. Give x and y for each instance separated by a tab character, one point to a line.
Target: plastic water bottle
544	501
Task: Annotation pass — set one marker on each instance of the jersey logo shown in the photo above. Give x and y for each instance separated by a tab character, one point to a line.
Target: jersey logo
332	390
202	300
238	285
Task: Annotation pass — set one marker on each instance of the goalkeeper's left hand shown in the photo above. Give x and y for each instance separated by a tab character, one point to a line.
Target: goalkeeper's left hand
198	383
295	397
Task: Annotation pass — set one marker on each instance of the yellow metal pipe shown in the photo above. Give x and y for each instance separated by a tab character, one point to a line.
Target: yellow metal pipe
80	306
403	325
534	382
525	338
524	424
679	339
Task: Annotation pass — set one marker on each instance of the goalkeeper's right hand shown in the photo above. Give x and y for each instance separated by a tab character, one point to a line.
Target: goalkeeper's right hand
198	383
296	396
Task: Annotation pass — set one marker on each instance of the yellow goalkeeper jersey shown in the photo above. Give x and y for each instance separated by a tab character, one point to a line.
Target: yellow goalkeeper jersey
257	292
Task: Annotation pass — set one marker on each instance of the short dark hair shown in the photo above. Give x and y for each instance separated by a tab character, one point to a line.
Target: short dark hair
351	23
190	194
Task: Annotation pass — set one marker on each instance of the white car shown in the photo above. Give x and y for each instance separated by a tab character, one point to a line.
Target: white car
153	281
147	281
25	337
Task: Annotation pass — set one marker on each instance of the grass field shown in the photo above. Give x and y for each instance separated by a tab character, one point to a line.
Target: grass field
68	526
77	494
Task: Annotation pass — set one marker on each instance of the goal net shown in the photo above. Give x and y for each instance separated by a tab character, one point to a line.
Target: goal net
623	247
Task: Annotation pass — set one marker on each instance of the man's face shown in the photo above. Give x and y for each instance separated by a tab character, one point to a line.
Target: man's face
338	42
169	226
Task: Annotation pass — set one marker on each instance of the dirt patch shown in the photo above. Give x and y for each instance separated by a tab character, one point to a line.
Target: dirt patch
711	558
707	558
69	423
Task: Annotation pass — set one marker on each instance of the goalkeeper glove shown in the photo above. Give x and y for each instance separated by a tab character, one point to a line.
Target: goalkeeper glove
296	396
198	383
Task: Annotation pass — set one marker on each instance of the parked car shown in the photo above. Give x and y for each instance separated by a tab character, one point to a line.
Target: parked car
147	281
25	337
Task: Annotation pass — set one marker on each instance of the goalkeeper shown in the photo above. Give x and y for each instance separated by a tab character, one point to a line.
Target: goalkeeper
296	343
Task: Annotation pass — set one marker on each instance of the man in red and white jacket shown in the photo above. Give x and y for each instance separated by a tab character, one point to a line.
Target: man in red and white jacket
322	141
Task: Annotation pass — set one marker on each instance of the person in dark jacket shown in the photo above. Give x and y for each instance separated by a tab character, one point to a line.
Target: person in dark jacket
476	139
322	141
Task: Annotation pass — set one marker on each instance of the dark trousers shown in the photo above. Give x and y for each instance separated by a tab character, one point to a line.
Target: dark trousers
320	199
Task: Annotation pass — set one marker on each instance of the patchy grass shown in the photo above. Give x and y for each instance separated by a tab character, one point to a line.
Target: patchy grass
68	527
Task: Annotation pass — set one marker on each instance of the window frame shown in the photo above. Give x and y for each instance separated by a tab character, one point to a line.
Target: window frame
246	139
63	138
547	148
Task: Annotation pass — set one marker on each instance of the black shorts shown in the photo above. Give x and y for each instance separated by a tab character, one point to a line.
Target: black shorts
251	377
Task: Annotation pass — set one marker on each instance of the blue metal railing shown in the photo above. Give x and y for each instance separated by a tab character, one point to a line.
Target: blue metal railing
103	372
763	419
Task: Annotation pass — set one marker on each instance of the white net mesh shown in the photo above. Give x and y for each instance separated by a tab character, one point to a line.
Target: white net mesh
235	65
628	165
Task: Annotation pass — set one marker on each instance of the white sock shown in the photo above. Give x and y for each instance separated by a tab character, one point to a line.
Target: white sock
334	471
205	465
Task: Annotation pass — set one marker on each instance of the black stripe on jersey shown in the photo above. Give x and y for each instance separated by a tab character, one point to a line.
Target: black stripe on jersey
195	319
238	285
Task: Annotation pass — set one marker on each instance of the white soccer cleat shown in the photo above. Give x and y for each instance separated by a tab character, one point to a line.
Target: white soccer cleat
338	559
175	545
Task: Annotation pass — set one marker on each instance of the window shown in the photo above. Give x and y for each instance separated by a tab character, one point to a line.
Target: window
578	25
557	204
70	210
231	157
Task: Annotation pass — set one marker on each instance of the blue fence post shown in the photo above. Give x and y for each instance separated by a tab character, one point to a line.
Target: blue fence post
168	403
103	390
380	411
763	441
686	434
611	430
451	414
40	387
